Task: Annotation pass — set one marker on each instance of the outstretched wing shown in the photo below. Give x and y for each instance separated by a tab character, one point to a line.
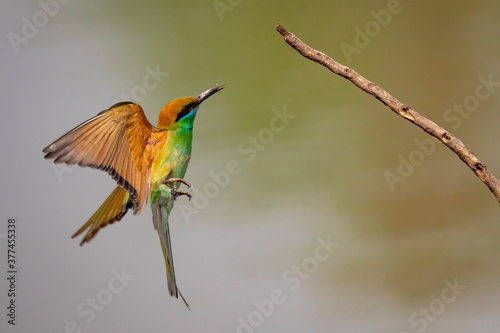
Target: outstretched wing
112	210
113	141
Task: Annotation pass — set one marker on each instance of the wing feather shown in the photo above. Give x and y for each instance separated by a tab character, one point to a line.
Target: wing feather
113	141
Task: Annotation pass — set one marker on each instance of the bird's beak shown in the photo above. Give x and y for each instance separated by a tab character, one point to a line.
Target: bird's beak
206	94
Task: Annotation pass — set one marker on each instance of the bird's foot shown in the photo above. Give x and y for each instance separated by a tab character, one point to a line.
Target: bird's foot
174	191
176	194
175	181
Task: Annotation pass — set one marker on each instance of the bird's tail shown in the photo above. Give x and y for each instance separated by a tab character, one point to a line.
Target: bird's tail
113	209
162	204
172	278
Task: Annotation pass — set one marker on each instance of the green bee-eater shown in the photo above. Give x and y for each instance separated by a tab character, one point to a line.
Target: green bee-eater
145	161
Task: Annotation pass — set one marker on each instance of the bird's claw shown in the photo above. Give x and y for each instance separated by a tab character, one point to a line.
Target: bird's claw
176	194
177	180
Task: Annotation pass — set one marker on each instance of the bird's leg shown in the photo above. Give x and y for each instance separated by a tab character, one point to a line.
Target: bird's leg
176	193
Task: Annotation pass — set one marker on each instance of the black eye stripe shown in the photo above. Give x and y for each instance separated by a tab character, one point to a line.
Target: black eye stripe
185	110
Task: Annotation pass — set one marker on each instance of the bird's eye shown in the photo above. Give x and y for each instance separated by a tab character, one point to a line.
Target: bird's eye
184	111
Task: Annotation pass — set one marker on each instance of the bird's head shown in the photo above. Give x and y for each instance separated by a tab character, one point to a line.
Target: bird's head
181	112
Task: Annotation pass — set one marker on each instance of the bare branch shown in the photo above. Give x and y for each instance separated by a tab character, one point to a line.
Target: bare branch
405	111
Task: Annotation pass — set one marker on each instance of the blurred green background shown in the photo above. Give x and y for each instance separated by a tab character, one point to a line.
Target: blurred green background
321	174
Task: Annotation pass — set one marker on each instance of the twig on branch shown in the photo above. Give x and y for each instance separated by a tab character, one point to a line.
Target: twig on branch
405	111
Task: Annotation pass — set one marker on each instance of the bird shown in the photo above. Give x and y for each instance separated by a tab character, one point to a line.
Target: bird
147	162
